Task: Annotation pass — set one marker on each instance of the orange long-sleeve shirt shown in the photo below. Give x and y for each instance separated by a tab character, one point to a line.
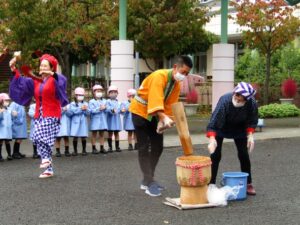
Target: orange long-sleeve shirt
152	91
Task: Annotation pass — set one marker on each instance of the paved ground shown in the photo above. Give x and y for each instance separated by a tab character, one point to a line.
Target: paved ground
104	190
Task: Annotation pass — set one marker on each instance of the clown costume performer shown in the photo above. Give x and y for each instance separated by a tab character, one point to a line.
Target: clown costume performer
49	91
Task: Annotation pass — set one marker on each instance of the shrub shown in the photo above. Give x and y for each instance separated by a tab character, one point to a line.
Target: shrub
192	97
289	88
278	111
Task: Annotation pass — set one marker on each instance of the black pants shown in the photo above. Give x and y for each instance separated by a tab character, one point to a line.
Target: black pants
147	137
241	145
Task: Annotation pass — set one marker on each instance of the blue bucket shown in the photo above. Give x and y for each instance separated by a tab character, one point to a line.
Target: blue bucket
237	180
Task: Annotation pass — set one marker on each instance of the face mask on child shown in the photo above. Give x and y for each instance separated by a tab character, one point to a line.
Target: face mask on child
237	104
5	104
80	98
99	95
113	95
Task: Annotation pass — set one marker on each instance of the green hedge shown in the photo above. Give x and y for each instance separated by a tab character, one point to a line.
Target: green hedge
278	111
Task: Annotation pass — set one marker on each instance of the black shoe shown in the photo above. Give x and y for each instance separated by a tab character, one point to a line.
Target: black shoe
130	147
22	155
9	157
136	146
110	150
74	154
118	150
16	156
84	153
1	159
95	151
67	154
35	156
58	154
103	151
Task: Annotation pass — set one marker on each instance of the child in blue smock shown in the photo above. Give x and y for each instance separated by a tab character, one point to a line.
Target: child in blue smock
19	128
113	118
79	124
127	119
98	123
5	125
31	113
64	131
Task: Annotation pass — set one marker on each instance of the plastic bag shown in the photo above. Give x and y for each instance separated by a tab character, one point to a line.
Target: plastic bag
219	196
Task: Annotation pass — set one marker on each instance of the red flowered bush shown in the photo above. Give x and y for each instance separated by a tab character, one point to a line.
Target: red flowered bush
289	88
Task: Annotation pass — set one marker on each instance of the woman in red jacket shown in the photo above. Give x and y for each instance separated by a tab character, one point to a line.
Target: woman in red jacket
49	91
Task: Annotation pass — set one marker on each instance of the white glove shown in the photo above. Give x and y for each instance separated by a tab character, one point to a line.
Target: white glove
250	142
14	113
212	145
164	124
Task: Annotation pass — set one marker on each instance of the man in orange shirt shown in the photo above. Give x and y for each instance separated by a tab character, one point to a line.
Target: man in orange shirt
152	114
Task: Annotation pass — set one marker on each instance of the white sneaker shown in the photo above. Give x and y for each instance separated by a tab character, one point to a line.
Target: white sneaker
46	174
45	163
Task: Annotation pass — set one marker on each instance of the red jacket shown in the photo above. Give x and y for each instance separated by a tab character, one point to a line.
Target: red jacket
50	103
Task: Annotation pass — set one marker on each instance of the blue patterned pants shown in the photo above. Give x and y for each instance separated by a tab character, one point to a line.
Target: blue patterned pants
45	131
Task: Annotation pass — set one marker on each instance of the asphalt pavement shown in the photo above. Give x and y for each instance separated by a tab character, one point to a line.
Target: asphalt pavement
99	189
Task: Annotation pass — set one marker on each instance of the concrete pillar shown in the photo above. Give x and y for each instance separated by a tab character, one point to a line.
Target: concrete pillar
122	73
222	71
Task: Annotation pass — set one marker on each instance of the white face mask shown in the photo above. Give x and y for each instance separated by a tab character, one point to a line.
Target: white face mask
6	104
99	95
113	95
80	98
179	77
237	104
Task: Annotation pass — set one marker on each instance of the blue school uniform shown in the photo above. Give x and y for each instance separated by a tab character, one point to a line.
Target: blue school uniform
127	119
113	118
79	124
98	117
31	113
6	124
19	122
65	122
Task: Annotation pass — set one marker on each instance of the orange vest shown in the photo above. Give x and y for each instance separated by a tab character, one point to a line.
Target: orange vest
152	97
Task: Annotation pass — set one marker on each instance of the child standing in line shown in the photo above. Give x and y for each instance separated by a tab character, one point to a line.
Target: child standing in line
64	132
127	119
5	125
79	124
19	128
113	118
98	123
31	113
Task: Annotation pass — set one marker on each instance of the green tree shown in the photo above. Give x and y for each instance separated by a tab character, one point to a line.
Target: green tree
269	25
164	28
74	31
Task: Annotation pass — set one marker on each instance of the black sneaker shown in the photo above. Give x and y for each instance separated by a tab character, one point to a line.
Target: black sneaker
1	159
35	156
84	153
9	157
58	154
103	151
110	150
130	147
74	154
95	151
16	156
22	155
118	150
